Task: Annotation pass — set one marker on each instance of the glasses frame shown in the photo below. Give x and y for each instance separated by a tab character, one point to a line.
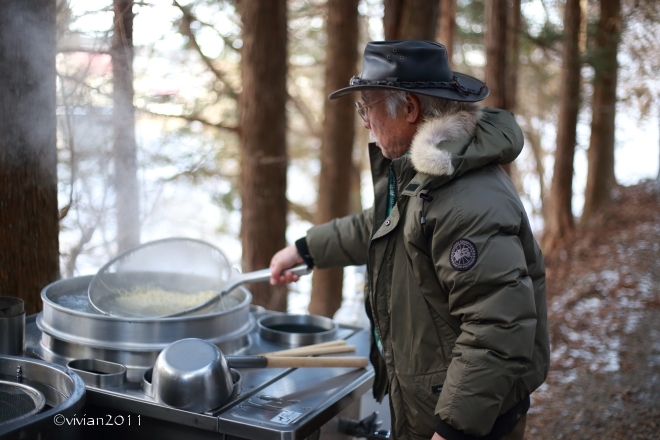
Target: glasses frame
362	108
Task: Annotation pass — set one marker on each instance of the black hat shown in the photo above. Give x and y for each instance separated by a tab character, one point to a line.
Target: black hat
413	66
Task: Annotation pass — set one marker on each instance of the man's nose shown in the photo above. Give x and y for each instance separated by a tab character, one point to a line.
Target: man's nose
366	124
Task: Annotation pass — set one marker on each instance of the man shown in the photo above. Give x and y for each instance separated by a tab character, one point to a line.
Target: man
456	281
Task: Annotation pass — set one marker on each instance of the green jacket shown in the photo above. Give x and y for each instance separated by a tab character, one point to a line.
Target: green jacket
458	299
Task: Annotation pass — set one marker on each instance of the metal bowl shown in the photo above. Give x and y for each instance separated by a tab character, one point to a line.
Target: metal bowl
147	386
193	375
297	330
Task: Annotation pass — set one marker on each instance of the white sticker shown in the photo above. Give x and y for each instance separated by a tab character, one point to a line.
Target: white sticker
286	417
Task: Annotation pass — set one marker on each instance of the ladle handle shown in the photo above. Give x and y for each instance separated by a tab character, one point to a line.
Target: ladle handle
238	279
264	275
333	349
296	362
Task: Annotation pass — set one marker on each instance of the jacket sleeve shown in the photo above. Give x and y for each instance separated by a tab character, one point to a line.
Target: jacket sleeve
493	299
341	242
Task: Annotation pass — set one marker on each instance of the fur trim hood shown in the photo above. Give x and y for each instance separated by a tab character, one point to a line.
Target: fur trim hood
454	144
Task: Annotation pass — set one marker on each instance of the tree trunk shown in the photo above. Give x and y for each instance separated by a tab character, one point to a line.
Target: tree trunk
447	27
512	57
559	223
496	60
263	143
337	144
410	19
127	202
600	177
496	47
29	247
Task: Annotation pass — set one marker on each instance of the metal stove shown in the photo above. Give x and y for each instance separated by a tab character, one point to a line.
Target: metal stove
273	403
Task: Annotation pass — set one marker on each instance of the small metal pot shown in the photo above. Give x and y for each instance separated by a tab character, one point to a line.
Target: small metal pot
297	330
193	375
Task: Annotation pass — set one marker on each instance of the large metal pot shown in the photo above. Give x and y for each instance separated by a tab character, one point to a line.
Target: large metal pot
73	329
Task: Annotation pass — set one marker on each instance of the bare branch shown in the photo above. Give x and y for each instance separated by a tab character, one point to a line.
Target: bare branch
229	43
87	234
534	136
539	42
194	118
310	120
82	49
301	211
186	21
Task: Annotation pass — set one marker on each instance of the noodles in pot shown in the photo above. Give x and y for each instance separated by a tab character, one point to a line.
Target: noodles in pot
154	301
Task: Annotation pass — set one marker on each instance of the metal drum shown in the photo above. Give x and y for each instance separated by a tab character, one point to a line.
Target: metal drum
73	329
40	396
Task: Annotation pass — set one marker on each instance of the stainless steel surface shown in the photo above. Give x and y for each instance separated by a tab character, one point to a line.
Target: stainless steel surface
73	329
237	279
297	330
145	385
63	390
275	404
12	335
98	373
191	374
18	401
12	326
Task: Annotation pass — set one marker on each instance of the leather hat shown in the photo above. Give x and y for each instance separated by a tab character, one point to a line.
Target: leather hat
413	66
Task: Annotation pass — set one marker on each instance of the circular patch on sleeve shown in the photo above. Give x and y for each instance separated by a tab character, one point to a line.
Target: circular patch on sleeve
463	254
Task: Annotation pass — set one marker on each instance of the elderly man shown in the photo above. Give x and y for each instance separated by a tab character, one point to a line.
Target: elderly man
456	281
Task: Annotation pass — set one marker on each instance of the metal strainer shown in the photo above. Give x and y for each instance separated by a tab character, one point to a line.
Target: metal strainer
169	277
18	401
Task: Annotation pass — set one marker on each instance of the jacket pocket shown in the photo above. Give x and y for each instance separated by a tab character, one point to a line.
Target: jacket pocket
428	387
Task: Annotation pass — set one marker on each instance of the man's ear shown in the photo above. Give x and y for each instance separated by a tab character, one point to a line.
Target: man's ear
413	109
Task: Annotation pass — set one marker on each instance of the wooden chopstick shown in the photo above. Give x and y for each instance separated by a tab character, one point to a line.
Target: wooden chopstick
292	351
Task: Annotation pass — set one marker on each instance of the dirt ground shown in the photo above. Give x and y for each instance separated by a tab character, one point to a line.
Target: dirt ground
604	322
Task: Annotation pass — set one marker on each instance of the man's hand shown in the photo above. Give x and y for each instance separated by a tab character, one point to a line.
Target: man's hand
437	436
284	259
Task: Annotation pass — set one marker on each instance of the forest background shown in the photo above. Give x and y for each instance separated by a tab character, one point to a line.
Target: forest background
209	119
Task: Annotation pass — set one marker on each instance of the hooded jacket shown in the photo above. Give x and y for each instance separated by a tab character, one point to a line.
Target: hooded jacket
456	281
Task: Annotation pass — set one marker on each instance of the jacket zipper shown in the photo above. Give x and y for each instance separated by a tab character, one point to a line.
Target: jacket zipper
374	312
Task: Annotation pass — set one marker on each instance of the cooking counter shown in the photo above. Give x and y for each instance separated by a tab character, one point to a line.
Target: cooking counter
282	403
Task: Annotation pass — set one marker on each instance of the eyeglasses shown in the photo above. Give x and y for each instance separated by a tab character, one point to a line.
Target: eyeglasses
361	107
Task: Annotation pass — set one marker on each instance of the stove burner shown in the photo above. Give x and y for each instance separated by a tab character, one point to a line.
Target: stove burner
18	401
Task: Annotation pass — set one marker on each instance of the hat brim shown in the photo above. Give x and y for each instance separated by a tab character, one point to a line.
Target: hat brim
466	81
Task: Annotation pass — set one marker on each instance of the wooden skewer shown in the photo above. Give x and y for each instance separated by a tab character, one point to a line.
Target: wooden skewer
293	351
314	351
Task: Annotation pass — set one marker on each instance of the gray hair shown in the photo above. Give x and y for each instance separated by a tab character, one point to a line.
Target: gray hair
431	106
